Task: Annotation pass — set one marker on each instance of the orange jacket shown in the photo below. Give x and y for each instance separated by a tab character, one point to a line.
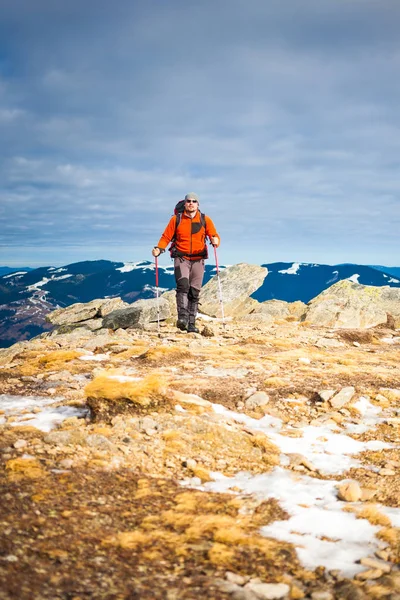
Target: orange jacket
190	235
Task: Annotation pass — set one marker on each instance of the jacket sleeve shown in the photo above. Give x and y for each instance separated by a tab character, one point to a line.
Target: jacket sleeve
168	234
210	230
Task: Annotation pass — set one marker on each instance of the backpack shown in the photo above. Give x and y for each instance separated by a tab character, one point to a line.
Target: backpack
178	212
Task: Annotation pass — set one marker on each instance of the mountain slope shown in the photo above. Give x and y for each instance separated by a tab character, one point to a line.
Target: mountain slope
27	296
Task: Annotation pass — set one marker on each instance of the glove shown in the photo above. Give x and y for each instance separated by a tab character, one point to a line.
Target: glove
215	241
156	251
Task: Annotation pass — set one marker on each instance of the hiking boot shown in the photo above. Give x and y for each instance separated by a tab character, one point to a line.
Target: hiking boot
192	328
182	324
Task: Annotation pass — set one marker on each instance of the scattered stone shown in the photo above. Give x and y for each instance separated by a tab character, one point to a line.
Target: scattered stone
343	397
367	494
304	360
328	343
257	400
356	344
207	332
376	564
322	595
349	491
20	444
235	578
190	463
297	460
387	472
98	441
369	574
66	463
268	591
382	554
65	438
326	395
296	593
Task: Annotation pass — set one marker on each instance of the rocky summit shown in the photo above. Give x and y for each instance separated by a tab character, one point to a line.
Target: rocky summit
257	459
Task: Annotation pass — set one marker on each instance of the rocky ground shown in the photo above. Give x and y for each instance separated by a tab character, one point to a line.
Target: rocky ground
254	461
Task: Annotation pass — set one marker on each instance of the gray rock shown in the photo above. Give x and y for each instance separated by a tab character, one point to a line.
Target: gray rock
235	578
147	423
342	398
326	394
20	444
109	305
7	355
137	314
276	308
257	317
65	438
98	441
89	325
257	400
170	296
279	309
350	305
329	343
84	311
268	591
322	595
238	283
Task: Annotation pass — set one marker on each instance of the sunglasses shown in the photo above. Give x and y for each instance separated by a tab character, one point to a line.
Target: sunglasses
192	201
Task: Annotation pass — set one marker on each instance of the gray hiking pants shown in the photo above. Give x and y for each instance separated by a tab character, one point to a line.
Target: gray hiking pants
189	278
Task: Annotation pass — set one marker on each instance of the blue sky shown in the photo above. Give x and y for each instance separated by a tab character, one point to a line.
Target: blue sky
282	115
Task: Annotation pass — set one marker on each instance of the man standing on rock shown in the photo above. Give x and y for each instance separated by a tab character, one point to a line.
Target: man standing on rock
187	230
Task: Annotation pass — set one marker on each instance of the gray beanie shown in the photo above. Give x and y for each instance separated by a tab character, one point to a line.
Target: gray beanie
191	196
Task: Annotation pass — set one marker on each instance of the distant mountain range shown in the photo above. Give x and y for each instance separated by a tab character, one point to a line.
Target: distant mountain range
7	270
27	295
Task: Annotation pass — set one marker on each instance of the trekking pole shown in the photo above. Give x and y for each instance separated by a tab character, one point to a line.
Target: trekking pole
219	287
158	299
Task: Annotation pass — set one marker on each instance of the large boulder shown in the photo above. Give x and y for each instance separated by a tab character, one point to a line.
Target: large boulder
170	296
351	305
279	309
84	311
138	314
238	283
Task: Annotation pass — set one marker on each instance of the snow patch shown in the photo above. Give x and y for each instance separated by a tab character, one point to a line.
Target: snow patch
35	286
393	280
354	278
334	278
321	531
152	288
95	357
20	273
292	270
45	420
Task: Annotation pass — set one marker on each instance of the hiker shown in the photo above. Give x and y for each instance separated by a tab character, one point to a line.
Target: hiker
187	230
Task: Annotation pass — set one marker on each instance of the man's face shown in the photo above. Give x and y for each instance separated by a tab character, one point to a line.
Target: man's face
191	205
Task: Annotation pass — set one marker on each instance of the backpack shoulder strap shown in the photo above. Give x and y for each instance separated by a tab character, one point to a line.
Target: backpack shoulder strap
203	219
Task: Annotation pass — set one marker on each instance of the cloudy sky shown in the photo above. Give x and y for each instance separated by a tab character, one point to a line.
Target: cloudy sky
282	115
